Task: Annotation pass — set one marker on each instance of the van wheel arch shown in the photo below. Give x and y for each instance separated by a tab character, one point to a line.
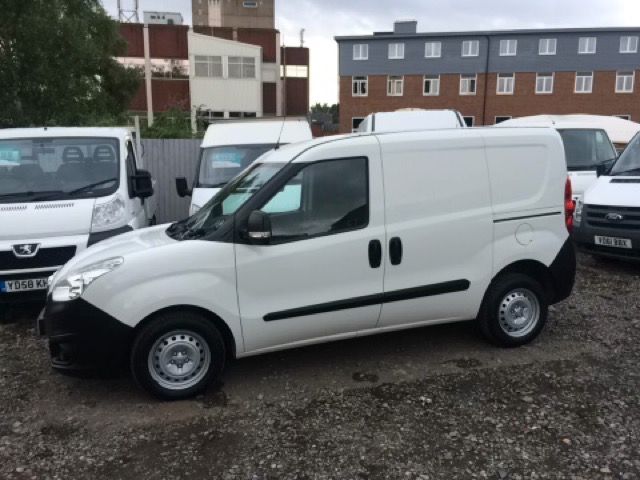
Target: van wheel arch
221	325
534	269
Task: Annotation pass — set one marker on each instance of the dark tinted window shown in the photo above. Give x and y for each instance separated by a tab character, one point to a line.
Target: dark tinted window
585	149
325	198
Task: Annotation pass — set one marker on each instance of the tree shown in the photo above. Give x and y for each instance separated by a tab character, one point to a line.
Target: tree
333	110
58	66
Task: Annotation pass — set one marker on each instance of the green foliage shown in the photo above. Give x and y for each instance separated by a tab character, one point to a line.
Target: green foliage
333	110
57	64
170	124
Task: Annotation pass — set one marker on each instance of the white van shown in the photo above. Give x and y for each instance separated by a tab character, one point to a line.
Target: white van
61	190
230	146
607	218
411	119
586	146
326	240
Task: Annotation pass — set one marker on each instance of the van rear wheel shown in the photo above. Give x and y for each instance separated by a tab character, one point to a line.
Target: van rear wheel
177	355
514	311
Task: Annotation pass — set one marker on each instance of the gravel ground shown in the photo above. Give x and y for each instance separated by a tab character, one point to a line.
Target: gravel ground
424	404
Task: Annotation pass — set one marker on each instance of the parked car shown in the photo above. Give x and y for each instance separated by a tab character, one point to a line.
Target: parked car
387	232
62	190
230	146
411	119
586	146
607	218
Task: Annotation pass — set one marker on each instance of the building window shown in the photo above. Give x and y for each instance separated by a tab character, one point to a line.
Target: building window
355	123
208	66
628	44
469	121
294	71
396	51
584	82
361	51
544	83
250	4
470	48
360	86
433	49
468	84
502	118
508	48
395	86
506	83
242	67
431	85
587	45
624	82
623	117
547	46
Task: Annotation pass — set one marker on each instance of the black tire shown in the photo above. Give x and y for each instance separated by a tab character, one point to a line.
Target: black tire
205	336
491	318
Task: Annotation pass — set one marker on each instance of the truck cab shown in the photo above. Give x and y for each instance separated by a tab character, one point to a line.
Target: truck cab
61	191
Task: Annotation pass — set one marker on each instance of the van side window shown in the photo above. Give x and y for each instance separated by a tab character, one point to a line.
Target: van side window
131	167
324	198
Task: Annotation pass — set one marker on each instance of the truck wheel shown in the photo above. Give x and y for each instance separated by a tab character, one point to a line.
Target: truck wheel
514	310
177	355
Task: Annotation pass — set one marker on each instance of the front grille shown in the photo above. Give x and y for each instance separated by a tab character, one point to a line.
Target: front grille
596	216
46	257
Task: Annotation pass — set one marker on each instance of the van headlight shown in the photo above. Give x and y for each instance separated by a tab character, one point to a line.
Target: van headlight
74	284
577	215
109	215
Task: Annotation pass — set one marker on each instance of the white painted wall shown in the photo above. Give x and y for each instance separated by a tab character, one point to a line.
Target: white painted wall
225	94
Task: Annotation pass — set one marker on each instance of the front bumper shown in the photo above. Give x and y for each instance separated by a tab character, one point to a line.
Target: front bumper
84	338
584	236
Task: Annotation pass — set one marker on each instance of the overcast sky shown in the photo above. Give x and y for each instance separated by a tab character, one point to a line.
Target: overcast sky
323	19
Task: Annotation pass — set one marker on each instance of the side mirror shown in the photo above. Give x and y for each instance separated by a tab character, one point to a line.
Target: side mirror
142	184
182	187
259	227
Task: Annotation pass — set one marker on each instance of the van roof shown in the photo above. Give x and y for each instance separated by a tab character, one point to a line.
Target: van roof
55	132
256	132
407	119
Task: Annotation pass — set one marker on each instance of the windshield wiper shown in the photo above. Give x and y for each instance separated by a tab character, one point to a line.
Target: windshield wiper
30	193
91	185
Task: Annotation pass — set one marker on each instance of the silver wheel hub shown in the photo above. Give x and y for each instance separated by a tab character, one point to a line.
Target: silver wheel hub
179	359
519	312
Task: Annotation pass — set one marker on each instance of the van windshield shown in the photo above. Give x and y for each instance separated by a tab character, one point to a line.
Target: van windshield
218	165
37	169
629	161
225	203
585	149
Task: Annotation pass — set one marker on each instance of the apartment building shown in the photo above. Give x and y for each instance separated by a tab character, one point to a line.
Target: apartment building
234	13
490	76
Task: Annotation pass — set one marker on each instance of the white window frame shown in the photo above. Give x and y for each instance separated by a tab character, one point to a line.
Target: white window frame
547	42
209	61
582	82
473	120
436	47
545	75
431	78
620	75
584	43
471	52
629	44
396	51
397	80
355	118
361	51
508	47
466	78
360	80
506	77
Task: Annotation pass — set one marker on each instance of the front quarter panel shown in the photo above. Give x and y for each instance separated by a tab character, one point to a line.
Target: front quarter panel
188	273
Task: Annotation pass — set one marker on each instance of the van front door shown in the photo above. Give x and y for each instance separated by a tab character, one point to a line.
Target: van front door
321	273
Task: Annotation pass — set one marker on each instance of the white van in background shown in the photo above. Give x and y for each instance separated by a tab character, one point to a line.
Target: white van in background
587	146
411	119
62	190
231	146
326	240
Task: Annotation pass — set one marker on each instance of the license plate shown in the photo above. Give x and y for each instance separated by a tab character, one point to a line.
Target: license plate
613	242
25	285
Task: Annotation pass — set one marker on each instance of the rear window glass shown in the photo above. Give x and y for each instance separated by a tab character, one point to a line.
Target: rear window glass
586	149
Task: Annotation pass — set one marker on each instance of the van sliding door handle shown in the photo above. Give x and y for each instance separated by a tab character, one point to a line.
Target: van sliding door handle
375	253
395	251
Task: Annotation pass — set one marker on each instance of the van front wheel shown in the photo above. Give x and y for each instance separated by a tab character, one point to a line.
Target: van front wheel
514	310
177	355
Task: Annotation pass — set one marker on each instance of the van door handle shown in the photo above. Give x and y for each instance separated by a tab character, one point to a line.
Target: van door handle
375	253
395	250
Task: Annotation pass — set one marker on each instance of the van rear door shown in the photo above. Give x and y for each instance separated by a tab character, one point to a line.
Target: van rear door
439	226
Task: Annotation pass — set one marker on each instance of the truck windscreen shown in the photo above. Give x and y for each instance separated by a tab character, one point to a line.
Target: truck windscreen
218	165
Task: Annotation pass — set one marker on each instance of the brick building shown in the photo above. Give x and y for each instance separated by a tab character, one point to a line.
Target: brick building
490	76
